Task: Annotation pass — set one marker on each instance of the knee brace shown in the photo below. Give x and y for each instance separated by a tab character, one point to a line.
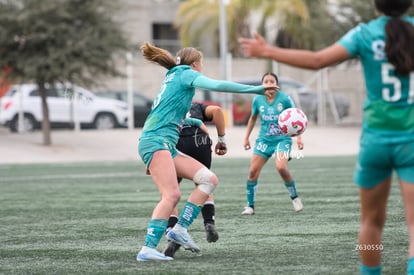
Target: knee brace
203	179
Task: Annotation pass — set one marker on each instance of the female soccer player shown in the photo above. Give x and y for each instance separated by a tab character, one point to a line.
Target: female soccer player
197	144
159	138
271	140
384	46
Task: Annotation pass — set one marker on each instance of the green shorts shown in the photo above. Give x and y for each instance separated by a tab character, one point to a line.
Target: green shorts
148	146
377	161
266	149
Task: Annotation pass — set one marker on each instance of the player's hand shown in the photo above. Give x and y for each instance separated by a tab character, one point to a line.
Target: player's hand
300	144
221	149
253	47
246	145
270	91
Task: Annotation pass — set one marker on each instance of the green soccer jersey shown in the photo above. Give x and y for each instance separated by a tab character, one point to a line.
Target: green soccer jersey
174	100
171	104
269	114
389	106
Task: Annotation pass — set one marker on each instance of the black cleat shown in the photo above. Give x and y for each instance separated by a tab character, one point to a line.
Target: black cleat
211	233
171	248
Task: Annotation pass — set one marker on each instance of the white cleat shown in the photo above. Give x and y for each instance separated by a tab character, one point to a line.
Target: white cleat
179	235
248	211
297	204
151	254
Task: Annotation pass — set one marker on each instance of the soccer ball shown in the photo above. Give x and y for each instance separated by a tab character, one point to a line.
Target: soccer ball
292	122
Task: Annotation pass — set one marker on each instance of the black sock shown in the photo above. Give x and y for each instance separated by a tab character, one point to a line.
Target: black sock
172	220
208	212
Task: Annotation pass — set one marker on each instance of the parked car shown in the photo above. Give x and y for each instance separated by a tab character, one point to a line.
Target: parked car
142	104
91	110
304	97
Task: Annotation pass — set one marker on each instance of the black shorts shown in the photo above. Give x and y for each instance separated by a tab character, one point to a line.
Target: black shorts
198	147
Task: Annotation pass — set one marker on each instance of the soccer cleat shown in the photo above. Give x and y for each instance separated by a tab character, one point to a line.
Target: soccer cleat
297	204
248	211
151	254
180	236
171	248
211	233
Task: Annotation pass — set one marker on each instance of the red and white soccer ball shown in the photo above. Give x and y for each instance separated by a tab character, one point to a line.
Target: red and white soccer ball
292	122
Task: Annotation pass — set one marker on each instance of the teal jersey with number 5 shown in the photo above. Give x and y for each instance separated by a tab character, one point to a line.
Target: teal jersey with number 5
389	106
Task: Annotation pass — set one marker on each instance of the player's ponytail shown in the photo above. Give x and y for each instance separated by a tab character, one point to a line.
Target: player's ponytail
399	49
158	55
399	35
185	56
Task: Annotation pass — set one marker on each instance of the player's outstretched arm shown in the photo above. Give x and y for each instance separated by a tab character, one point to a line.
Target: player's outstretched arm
204	83
257	47
215	113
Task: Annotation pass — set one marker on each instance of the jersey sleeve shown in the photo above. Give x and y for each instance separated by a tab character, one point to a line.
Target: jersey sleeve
350	41
290	102
192	121
188	76
203	82
203	108
198	110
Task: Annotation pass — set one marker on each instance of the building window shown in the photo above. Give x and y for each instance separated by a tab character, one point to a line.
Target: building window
166	37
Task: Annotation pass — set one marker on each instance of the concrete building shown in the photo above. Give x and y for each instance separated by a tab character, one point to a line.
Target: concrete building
152	20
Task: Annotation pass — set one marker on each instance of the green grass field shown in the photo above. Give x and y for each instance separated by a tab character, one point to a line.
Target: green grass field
91	218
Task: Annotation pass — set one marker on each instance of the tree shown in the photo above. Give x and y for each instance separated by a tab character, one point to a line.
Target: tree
52	41
328	21
320	29
353	12
199	18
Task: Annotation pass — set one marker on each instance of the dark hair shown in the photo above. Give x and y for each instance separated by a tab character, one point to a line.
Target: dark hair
185	56
399	35
272	74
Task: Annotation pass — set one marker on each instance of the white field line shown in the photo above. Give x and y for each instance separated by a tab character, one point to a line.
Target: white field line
70	176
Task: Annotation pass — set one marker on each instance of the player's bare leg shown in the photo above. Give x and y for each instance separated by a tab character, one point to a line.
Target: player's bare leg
206	182
407	191
373	216
256	164
163	175
282	159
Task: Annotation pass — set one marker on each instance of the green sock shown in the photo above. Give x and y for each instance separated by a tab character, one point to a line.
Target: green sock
365	270
155	231
188	214
291	187
251	187
410	266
